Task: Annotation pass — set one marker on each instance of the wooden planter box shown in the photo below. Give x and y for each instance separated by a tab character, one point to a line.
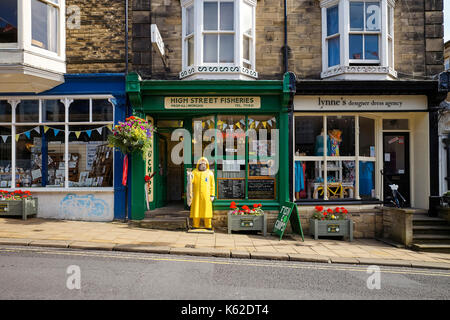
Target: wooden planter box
247	222
24	208
331	228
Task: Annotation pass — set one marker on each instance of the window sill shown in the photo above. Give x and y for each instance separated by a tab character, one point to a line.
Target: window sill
218	72
360	73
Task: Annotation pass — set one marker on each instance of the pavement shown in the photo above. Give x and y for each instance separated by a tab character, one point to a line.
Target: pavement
118	236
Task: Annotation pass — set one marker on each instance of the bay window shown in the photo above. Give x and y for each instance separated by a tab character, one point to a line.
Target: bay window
32	45
218	39
56	142
358	39
334	157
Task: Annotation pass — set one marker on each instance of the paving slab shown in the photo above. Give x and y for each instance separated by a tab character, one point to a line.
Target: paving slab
308	258
92	245
50	243
15	241
269	255
240	254
142	248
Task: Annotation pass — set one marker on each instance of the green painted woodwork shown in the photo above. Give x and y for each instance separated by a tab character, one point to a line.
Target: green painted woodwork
147	98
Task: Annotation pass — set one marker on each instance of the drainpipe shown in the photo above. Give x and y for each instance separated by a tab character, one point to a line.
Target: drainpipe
126	37
127	112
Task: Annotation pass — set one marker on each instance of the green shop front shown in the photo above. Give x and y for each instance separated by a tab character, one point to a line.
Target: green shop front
241	127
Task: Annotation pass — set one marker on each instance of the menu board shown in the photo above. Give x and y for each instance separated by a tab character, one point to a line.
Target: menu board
261	188
231	188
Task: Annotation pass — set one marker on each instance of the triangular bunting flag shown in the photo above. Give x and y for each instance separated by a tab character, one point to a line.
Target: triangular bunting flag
37	129
109	126
99	130
257	123
55	131
77	134
5	138
89	133
46	129
17	137
27	134
269	122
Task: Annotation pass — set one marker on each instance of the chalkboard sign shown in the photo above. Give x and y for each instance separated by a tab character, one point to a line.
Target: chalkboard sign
231	188
261	188
286	215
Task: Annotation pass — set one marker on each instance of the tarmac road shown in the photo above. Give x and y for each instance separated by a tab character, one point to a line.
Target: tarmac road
44	273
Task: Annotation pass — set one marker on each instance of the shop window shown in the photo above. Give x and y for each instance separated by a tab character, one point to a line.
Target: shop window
5	111
169	124
27	111
341	136
211	38
8	21
325	163
44	24
53	111
38	140
5	157
395	124
203	140
79	111
354	34
90	158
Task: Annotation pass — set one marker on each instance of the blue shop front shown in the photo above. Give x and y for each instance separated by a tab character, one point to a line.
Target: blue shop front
54	144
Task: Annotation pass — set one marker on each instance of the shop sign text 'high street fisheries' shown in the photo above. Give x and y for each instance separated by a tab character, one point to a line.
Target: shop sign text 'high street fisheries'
212	102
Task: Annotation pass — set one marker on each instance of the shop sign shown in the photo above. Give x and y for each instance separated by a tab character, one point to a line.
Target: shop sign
286	215
157	40
231	102
360	103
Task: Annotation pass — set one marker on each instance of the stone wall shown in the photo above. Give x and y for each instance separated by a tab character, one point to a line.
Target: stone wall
98	46
418	38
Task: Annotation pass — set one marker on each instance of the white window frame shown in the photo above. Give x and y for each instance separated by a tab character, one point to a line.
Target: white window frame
382	68
199	34
67	101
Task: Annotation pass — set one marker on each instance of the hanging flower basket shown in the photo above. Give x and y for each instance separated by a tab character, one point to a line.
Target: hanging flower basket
133	135
18	203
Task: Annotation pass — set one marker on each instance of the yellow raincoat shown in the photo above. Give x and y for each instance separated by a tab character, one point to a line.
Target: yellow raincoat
203	188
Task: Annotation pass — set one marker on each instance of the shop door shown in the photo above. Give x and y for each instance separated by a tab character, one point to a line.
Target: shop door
396	165
161	181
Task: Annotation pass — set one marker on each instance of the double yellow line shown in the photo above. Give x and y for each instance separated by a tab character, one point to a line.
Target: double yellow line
234	262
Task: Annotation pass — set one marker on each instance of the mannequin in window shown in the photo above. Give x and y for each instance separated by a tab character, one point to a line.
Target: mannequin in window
335	141
318	148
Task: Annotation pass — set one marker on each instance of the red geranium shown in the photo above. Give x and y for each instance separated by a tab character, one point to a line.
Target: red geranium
233	205
319	208
329	210
147	178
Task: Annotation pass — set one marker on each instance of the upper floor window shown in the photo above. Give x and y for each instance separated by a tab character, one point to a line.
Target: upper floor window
218	39
44	24
8	21
358	39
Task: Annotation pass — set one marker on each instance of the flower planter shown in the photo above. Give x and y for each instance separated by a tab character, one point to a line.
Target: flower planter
23	207
247	222
331	228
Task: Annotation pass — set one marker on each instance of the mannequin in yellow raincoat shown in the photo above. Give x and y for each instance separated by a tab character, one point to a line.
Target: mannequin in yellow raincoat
201	194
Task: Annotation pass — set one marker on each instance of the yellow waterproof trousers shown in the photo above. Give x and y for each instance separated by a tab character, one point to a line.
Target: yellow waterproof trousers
207	222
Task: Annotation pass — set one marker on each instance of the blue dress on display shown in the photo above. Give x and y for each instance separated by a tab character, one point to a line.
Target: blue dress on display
366	183
299	177
318	148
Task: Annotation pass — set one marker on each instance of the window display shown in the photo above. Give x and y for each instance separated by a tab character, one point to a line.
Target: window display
39	137
334	176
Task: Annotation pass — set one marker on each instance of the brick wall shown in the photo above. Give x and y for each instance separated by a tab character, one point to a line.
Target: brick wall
99	44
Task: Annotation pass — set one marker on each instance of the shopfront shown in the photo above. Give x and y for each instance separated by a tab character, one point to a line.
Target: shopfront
241	127
55	145
351	142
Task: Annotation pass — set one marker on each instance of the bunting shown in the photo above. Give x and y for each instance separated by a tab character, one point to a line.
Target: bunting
56	132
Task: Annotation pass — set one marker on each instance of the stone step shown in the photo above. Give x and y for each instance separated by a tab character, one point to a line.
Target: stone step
432	229
165	223
424	220
431	238
431	247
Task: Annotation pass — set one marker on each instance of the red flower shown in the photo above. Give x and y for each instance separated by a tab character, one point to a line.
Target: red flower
255	205
344	211
319	208
337	210
233	205
246	208
325	213
329	210
147	178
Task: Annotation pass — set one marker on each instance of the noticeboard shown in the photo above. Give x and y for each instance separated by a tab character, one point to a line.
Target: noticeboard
288	212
